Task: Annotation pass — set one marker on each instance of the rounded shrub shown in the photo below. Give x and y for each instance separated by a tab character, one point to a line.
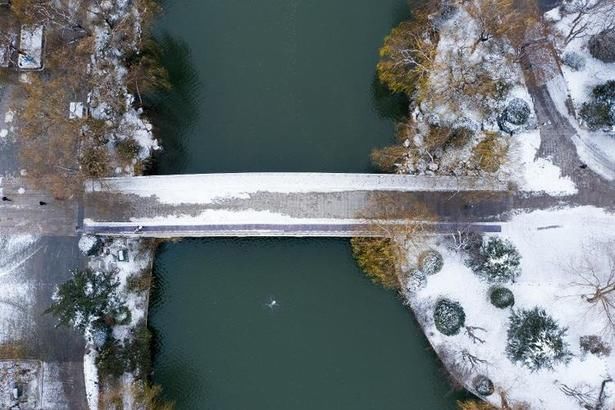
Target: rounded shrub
483	385
600	110
449	317
497	261
515	115
502	297
430	262
415	280
574	60
602	46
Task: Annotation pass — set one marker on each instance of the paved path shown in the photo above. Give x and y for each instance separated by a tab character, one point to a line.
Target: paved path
23	213
40	268
557	134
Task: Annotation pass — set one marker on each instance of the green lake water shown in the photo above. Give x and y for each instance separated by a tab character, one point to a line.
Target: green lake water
280	85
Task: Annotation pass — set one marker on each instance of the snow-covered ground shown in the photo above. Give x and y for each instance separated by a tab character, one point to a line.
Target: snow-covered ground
17	295
128	258
553	245
595	148
538	174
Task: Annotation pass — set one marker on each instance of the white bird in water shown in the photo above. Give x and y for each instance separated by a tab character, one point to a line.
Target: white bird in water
272	304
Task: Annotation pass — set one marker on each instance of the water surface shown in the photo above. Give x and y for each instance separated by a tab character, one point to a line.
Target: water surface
280	85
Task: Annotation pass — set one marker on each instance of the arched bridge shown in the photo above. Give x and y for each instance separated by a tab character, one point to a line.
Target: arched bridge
253	204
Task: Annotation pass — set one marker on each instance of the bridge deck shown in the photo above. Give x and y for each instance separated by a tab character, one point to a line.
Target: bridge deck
290	204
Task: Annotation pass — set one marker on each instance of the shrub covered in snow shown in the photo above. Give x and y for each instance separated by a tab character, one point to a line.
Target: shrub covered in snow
88	296
502	297
535	340
415	280
515	115
98	333
602	46
595	345
449	317
483	385
430	262
600	110
574	60
90	245
497	261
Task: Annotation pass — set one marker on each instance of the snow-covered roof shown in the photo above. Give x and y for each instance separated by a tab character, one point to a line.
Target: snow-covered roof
31	48
76	110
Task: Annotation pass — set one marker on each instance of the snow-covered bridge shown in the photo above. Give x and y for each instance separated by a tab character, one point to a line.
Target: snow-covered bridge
283	204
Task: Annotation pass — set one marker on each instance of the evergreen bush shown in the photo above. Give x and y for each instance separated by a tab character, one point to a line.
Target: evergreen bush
502	297
430	262
535	340
111	360
483	385
574	60
415	280
88	296
497	261
515	115
600	110
449	317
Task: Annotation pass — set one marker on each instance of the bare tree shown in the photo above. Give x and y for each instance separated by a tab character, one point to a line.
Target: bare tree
585	12
472	332
586	395
63	14
596	281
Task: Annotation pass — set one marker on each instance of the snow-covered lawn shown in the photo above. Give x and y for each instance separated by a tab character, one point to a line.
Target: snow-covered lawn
554	245
595	148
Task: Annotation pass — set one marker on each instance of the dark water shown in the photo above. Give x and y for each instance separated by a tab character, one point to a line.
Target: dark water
280	85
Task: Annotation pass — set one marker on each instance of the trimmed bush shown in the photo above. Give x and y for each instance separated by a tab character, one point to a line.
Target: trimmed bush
536	340
597	114
449	317
574	60
90	245
600	110
602	46
483	385
515	115
415	280
497	261
430	262
502	297
595	345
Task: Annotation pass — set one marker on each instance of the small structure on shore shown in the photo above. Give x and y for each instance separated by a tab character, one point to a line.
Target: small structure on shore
30	48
